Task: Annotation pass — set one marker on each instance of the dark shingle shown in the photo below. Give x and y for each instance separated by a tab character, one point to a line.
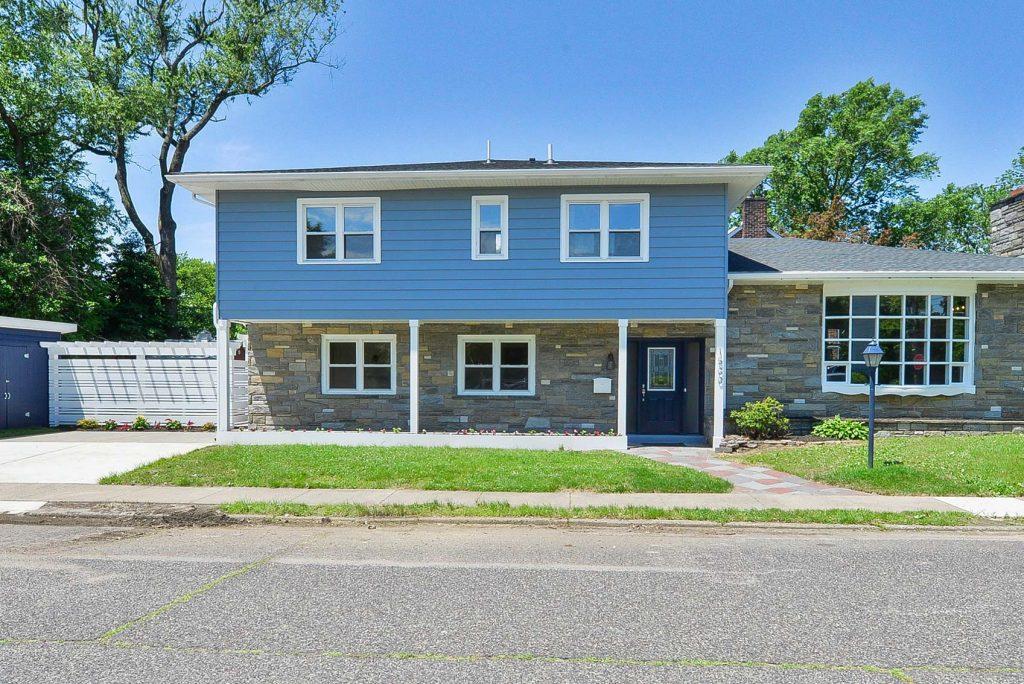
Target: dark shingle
780	255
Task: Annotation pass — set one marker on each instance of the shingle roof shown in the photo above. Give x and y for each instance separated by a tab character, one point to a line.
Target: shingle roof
480	165
782	255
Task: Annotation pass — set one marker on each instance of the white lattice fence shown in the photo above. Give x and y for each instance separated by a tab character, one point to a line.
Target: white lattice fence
158	380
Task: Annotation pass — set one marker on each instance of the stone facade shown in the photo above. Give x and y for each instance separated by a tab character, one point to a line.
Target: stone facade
1006	225
774	349
285	386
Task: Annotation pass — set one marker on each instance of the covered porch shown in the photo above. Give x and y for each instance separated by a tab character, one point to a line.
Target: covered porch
515	384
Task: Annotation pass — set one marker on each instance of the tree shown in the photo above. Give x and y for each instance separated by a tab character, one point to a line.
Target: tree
139	305
165	68
196	294
857	146
55	224
1013	177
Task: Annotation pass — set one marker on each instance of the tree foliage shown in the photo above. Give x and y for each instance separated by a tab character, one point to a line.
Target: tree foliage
139	303
857	146
165	68
196	294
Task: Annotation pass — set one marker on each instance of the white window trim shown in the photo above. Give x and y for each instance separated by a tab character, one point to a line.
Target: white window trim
479	200
661	389
604	200
897	287
495	341
325	364
338	203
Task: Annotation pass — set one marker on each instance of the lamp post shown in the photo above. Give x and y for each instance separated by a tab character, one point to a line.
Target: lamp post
872	357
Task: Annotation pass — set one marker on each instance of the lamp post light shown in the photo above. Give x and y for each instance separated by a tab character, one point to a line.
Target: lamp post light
872	357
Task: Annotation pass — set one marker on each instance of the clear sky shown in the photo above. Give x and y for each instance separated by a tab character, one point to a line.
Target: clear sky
639	80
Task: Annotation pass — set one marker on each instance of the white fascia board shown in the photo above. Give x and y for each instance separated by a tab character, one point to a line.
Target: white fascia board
740	180
38	325
809	276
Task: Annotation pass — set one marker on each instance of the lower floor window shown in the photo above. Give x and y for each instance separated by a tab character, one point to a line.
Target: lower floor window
358	364
496	364
926	339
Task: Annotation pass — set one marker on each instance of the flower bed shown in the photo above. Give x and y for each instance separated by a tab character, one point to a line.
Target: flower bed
142	424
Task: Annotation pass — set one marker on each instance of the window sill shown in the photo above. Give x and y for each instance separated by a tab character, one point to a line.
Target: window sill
599	260
471	393
904	391
490	257
359	393
338	262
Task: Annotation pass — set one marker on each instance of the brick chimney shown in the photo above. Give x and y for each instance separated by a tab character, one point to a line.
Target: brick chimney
1006	225
755	218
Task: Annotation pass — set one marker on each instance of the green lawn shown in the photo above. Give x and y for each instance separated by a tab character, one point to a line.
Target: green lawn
322	467
986	465
504	510
27	432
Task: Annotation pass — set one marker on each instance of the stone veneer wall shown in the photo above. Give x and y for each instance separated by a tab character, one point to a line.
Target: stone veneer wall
774	349
284	383
284	380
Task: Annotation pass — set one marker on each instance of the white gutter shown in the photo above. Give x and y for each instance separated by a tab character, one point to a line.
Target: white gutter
877	275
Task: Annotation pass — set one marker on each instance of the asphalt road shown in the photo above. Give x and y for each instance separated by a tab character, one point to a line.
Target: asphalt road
507	604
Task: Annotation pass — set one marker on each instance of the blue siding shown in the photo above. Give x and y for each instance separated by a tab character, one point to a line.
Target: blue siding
426	270
28	379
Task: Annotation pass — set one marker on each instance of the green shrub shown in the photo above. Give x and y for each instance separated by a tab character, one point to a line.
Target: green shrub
208	427
110	425
761	419
88	424
840	428
173	424
141	423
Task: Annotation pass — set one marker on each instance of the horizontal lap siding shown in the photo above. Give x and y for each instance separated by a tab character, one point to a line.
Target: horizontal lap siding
426	270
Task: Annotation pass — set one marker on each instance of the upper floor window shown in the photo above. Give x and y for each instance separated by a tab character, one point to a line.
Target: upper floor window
490	227
358	364
339	230
610	227
926	340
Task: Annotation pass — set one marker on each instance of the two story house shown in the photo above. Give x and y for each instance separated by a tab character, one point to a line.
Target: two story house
554	298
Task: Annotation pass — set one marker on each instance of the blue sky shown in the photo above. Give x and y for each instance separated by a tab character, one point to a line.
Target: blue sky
640	80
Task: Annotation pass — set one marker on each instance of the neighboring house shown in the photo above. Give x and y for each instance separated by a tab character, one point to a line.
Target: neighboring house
582	296
24	369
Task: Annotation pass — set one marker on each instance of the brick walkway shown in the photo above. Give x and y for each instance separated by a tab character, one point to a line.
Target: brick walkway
745	478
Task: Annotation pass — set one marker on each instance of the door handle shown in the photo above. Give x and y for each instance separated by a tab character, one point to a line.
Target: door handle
643	392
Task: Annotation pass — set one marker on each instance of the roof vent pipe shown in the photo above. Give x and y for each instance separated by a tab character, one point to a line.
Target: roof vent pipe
488	160
551	158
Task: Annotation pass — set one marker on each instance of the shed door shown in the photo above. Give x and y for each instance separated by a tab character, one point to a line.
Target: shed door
24	387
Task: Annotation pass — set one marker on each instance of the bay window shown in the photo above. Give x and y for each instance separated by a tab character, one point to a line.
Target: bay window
925	336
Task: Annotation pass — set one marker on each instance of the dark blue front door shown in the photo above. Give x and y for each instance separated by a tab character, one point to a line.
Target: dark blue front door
667	387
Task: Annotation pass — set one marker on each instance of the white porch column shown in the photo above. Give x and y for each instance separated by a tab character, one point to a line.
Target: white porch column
621	381
719	424
223	373
414	376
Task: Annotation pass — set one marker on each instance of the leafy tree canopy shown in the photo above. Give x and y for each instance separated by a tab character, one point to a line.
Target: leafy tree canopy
196	294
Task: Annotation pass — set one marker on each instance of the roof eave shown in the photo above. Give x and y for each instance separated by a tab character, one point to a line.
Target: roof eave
822	276
740	180
37	325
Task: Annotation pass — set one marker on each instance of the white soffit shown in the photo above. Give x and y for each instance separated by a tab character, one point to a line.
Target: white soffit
740	180
38	325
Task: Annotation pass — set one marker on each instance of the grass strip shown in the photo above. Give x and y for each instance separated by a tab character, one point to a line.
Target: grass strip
434	468
504	510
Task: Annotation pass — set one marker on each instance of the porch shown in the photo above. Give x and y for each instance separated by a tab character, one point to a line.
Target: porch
539	384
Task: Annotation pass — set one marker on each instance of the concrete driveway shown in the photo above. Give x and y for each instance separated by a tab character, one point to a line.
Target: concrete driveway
85	457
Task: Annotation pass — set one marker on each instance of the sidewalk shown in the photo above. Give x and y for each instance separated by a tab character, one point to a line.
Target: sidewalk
16	496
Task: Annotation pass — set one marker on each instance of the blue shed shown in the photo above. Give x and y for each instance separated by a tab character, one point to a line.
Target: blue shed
23	369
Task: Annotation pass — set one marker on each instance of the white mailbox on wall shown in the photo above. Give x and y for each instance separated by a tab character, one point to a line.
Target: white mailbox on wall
602	385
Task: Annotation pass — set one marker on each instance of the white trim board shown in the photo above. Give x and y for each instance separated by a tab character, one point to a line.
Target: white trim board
430	439
840	276
37	325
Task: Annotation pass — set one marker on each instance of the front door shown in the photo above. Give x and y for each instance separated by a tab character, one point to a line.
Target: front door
666	387
22	401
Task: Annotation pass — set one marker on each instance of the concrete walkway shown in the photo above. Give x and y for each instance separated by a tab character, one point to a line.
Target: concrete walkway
15	496
86	457
744	478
